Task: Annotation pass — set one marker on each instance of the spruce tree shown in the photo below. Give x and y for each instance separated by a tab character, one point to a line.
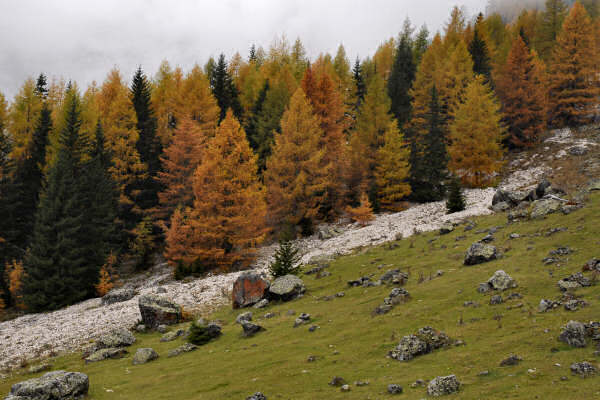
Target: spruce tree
456	200
224	89
429	158
148	144
550	25
252	125
402	77
359	84
41	88
286	260
480	55
420	45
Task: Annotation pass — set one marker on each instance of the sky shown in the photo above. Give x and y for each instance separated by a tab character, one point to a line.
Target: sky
81	40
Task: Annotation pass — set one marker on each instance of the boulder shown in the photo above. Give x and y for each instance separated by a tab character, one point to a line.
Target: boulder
248	289
302	319
479	253
144	355
578	150
543	207
501	196
496	299
36	369
262	304
510	361
337	381
501	281
287	287
546	305
446	228
186	348
56	385
501	207
542	187
157	310
243	317
395	277
423	342
394	389
443	385
251	329
118	296
574	281
257	396
116	338
170	336
573	334
583	369
105	354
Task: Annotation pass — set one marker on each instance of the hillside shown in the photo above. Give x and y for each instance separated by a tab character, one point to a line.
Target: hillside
352	343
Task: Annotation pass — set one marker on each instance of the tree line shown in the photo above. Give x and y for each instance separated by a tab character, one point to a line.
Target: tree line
202	166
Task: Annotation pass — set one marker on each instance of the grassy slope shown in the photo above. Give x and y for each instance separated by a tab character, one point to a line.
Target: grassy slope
274	361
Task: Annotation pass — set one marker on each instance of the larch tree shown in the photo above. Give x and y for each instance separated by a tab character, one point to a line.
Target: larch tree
457	73
23	117
393	169
475	137
550	25
522	90
573	74
227	219
295	178
402	76
165	95
420	45
343	76
195	100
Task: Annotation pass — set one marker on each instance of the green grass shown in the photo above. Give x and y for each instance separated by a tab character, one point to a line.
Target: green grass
275	361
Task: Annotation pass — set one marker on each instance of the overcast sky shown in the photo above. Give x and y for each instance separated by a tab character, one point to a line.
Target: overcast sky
83	39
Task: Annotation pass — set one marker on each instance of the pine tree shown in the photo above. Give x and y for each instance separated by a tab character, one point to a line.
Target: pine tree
429	158
148	144
295	177
392	170
475	136
286	260
456	200
573	75
550	25
402	77
227	218
521	87
224	89
480	54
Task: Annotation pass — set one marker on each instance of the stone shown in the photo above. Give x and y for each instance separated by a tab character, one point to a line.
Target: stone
313	328
479	253
262	304
394	276
55	385
345	388
483	287
311	359
337	381
510	361
362	281
573	334
543	207
286	288
105	354
141	328
157	310
561	251
501	281
382	309
116	338
583	369
573	305
446	228
514	236
519	213
244	317
250	329
340	294
144	355
361	383
161	290
471	303
592	265
423	342
257	396
594	186
302	319
118	296
501	196
394	389
443	385
569	208
248	289
170	336
186	348
574	281
501	207
547	305
269	315
36	369
496	299
578	150
162	328
484	373
489	238
417	383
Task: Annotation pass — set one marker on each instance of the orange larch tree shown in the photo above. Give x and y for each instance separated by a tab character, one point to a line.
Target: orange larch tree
522	89
362	214
196	101
165	100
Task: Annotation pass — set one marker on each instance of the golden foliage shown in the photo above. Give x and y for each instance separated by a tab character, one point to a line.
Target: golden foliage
14	277
108	276
363	214
393	169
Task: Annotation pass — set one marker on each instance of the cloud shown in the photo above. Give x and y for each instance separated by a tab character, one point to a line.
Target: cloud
82	40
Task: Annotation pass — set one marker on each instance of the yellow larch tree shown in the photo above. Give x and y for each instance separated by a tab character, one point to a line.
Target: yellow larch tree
196	101
393	169
165	98
23	115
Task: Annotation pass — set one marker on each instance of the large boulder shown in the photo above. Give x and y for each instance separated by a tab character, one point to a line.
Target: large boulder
443	385
117	338
105	354
479	253
287	287
501	281
157	310
543	207
118	296
423	342
574	281
56	385
248	289
573	334
250	329
144	355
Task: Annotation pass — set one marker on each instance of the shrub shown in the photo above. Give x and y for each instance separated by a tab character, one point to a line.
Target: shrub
456	200
286	260
202	334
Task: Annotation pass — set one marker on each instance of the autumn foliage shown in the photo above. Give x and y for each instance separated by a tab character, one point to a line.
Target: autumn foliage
363	214
14	276
108	276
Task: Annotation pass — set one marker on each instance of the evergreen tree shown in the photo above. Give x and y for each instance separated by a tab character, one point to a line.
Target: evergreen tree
359	85
456	200
550	25
420	45
429	158
402	77
252	125
224	89
480	55
148	144
41	87
574	82
286	260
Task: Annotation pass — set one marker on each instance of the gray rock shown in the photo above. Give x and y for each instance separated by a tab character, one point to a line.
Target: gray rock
543	207
573	334
244	317
116	338
443	385
510	361
501	196
118	296
578	150
547	305
345	388
36	369
141	328
170	336
423	342
417	383
501	207
446	228
302	319
514	236
250	329
105	354
186	348
248	289
574	304
337	381
257	396
162	329
569	208
483	287
157	310
382	309
501	281
496	299
583	369
574	281
479	253
56	385
287	288
262	304
394	389
144	355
